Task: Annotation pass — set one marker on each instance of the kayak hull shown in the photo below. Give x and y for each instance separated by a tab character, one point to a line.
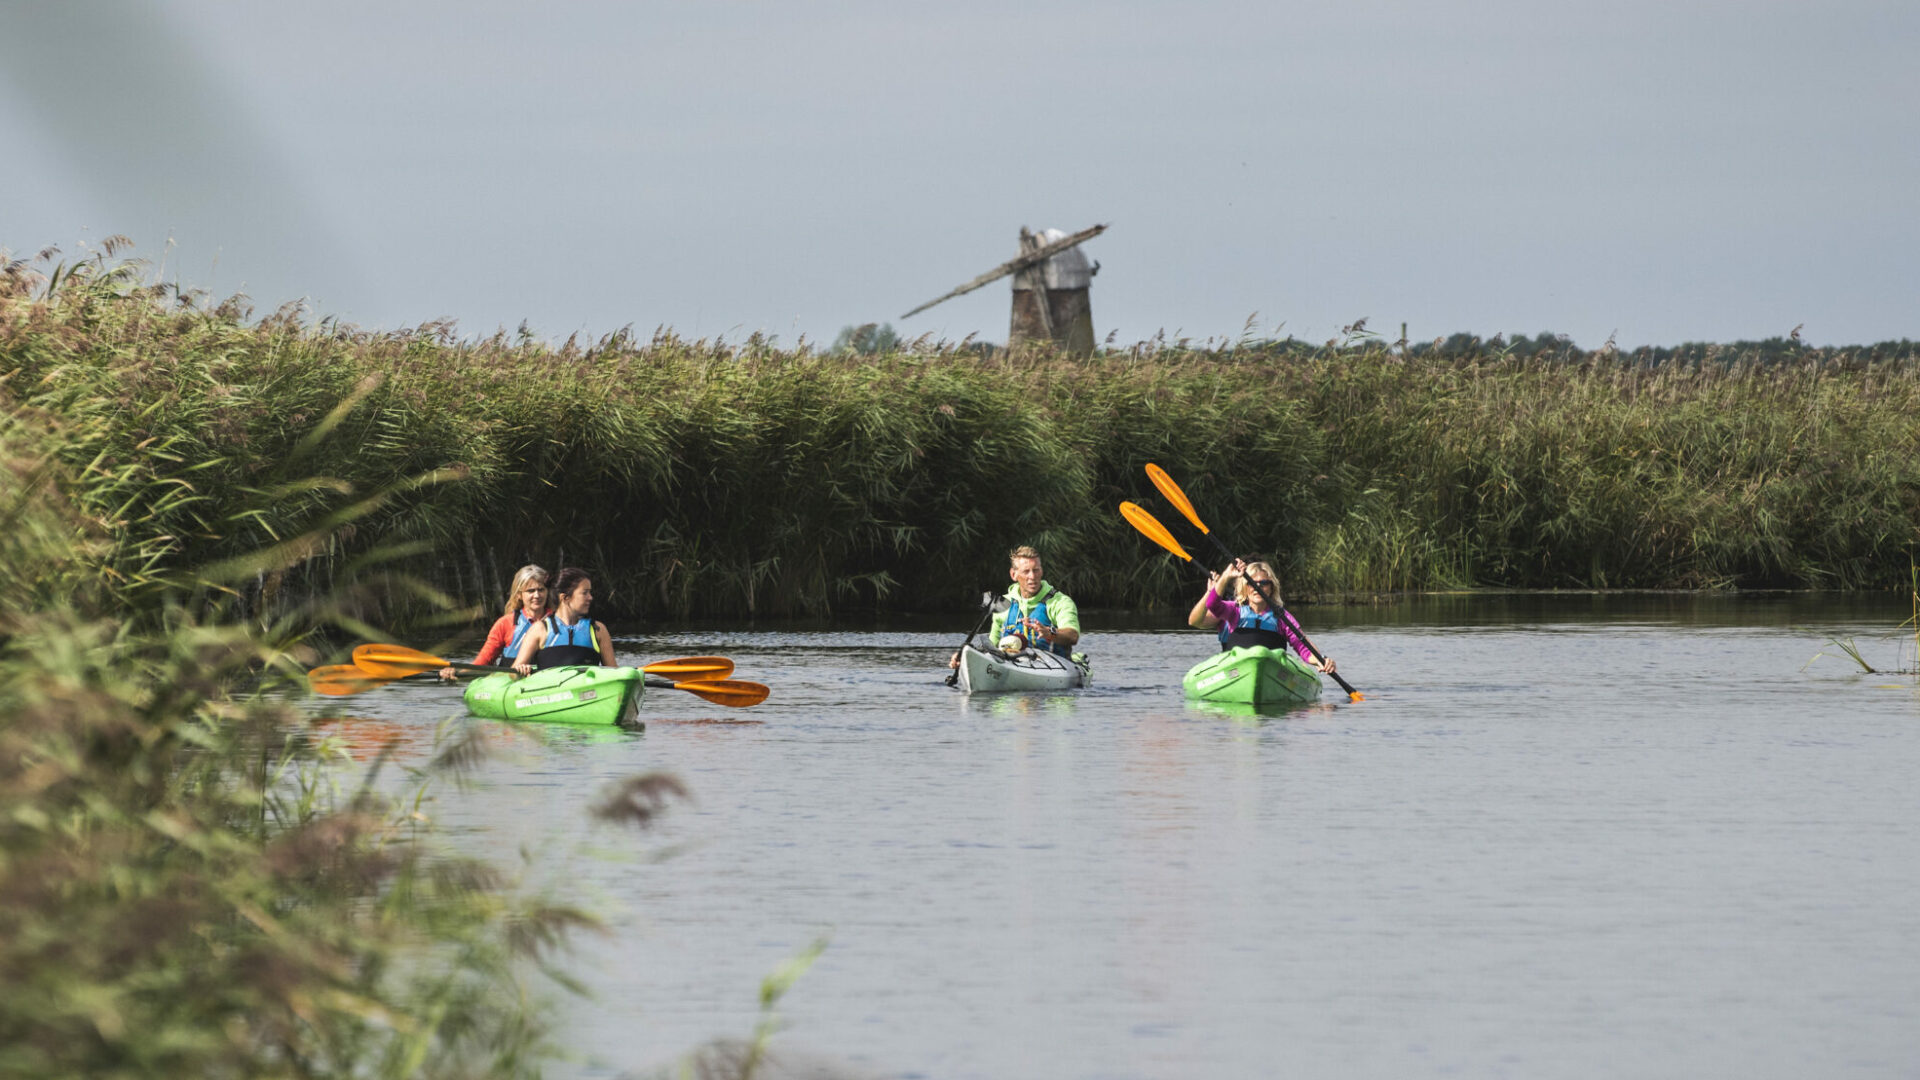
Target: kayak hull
1253	676
984	671
568	695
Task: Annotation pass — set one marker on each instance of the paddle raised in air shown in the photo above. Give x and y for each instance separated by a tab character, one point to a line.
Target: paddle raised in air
1151	528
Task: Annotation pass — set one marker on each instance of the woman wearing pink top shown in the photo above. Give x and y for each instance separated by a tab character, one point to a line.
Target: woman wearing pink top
1249	619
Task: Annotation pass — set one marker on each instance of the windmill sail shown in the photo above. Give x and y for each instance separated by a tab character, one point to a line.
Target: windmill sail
1014	266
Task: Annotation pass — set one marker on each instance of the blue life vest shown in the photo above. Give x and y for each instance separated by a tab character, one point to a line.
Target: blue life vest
1255	628
1258	620
568	644
521	624
1038	613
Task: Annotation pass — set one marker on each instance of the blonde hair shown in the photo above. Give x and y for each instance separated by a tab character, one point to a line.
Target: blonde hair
1024	551
523	577
1244	585
1247	583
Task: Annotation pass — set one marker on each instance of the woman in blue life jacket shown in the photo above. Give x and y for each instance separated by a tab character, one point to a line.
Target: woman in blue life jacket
566	637
526	605
1041	616
1251	619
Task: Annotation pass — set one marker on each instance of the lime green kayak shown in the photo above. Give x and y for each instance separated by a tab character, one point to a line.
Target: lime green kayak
1255	675
569	695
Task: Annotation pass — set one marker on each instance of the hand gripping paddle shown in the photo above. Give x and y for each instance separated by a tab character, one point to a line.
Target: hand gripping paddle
1151	528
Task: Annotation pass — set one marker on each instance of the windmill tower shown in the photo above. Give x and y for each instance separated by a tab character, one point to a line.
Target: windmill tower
1051	281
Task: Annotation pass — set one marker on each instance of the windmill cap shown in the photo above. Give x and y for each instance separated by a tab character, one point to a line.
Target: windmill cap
1070	269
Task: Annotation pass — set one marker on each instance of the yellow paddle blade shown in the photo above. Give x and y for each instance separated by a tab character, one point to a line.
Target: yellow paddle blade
702	668
1150	527
1174	495
339	680
733	693
390	658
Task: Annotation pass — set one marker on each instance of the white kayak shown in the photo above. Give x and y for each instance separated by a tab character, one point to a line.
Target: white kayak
989	671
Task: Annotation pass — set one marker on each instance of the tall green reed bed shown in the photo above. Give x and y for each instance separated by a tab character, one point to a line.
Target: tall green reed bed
182	891
700	478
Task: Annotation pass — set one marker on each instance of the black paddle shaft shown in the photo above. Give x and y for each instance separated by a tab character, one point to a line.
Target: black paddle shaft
459	665
1278	604
954	678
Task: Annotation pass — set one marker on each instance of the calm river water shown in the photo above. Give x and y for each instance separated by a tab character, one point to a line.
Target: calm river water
1562	837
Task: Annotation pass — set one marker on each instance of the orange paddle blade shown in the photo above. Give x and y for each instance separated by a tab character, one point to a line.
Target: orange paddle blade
1174	495
339	680
1150	527
386	659
381	669
733	693
702	668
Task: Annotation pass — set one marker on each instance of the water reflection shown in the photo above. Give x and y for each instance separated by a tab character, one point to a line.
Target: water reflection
1236	711
1026	705
1561	837
409	738
365	738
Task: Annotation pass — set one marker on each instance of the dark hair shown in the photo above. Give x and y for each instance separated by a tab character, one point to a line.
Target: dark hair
567	580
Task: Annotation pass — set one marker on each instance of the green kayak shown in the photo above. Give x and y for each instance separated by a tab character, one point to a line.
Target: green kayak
569	695
1253	676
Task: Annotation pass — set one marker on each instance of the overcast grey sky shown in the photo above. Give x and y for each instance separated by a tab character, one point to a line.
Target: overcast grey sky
1670	171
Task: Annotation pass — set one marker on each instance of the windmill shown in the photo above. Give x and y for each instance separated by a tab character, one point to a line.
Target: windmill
1051	277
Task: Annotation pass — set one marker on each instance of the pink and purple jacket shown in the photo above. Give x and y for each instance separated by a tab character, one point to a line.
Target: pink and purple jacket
1229	613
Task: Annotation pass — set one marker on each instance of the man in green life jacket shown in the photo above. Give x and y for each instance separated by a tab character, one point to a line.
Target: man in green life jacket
1045	617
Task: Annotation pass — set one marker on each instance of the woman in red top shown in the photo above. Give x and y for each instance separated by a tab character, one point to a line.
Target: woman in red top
526	605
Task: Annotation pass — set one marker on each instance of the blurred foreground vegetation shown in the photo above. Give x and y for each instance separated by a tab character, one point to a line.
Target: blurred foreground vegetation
183	889
704	478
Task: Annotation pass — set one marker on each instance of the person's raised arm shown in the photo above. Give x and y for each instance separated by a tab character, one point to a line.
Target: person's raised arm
1200	618
1217	604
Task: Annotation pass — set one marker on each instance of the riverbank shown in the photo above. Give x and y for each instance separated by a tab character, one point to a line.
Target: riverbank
704	479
